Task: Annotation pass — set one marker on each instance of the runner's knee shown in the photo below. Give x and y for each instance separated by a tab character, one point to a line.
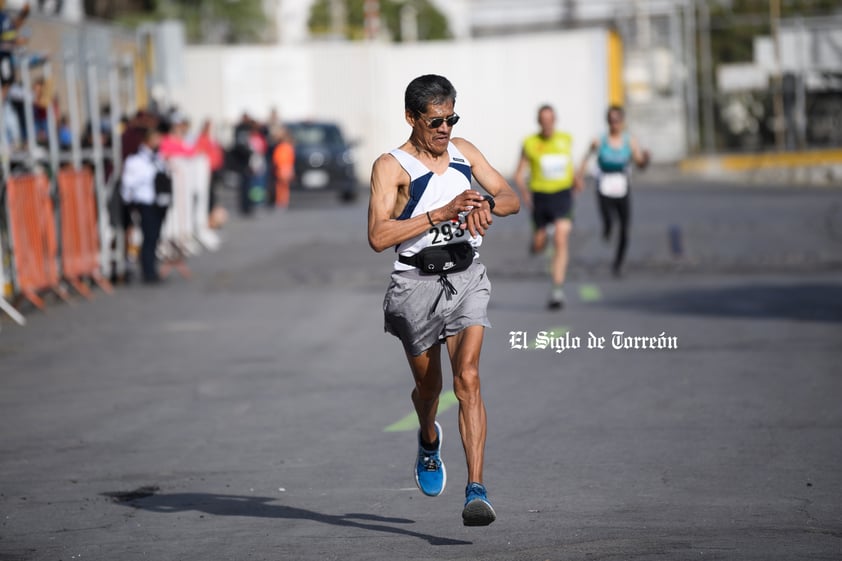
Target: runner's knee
466	383
429	388
562	234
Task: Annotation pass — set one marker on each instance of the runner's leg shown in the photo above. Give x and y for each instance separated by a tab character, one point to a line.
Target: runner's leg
426	370
464	350
605	214
560	259
623	208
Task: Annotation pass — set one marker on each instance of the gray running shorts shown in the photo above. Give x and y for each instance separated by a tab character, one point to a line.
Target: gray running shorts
418	311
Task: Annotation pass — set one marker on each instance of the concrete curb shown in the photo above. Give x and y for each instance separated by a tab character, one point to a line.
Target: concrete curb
813	167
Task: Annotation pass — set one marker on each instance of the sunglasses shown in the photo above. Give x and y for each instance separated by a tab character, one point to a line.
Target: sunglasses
437	121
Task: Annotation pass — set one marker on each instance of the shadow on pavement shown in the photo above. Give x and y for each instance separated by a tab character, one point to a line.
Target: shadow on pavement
146	498
806	302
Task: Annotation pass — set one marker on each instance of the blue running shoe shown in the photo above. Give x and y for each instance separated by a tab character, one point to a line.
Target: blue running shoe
478	511
430	475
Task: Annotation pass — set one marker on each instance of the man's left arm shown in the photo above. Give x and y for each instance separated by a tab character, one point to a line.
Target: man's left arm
506	200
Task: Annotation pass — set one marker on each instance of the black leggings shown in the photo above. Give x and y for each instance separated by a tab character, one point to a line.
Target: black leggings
608	207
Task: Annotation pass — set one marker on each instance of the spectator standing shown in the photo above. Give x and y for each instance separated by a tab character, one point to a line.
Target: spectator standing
65	133
9	39
282	166
147	187
239	162
132	135
42	97
257	163
174	141
206	144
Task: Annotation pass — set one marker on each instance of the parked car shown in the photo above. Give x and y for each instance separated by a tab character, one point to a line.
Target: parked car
323	159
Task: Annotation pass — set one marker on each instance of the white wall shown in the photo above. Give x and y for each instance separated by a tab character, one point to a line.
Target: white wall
501	82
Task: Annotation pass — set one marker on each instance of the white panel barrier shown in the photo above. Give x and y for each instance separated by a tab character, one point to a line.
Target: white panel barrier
185	230
201	186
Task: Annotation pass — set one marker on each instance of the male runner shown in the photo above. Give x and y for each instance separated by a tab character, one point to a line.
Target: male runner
422	204
548	155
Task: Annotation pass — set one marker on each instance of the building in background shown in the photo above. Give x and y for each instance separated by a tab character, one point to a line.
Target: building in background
811	80
679	101
476	18
68	10
656	61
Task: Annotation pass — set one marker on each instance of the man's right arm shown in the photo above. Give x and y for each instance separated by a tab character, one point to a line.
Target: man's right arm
383	230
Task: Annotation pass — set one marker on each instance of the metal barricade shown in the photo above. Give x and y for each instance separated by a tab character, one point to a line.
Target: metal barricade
33	237
80	243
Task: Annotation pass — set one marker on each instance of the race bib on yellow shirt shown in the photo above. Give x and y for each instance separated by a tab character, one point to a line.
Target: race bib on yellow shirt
554	166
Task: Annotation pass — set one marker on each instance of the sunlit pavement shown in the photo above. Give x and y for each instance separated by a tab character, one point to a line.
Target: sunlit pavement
243	414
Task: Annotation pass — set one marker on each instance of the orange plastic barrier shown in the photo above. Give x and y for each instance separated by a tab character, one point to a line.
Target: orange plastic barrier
33	234
79	237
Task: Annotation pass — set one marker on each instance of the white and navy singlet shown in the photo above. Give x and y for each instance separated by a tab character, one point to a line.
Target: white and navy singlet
427	192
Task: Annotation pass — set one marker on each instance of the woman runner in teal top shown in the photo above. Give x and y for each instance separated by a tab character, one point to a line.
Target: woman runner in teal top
615	152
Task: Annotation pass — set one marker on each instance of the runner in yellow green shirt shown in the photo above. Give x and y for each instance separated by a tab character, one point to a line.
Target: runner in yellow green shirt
547	156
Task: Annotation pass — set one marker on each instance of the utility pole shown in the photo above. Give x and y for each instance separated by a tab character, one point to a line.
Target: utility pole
707	77
691	90
777	93
643	30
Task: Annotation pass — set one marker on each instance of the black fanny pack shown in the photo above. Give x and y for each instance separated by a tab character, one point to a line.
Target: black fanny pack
441	259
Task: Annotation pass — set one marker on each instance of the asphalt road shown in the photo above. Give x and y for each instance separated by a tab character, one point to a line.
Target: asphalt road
258	411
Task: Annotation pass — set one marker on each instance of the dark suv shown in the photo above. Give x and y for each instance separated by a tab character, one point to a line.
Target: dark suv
323	159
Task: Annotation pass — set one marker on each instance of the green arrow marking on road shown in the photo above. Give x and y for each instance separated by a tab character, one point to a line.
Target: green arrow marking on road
448	399
410	422
555	331
589	293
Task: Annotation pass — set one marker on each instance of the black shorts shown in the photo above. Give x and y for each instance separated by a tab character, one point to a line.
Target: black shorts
549	207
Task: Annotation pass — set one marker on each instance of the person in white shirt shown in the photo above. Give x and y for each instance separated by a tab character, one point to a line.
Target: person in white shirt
141	171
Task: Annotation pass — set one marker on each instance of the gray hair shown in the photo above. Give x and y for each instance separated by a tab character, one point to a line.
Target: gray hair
426	90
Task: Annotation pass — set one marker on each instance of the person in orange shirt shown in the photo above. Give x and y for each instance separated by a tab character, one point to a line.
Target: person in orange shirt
283	160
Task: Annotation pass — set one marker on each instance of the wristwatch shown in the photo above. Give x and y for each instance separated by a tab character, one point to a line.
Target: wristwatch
490	200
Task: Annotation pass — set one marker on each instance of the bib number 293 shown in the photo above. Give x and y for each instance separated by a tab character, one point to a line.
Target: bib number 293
445	232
